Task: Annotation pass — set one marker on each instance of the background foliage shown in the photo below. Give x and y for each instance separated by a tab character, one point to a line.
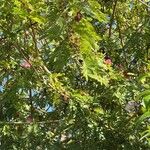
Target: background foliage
74	74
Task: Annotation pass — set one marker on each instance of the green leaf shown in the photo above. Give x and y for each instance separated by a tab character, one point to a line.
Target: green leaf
142	118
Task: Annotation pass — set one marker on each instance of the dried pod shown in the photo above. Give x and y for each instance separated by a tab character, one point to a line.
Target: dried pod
133	107
78	16
25	64
108	60
29	119
65	97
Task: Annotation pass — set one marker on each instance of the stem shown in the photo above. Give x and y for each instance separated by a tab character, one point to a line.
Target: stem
147	51
120	35
22	123
31	103
112	18
33	34
18	31
144	3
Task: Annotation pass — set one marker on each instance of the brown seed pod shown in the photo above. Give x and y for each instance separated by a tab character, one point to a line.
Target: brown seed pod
65	97
25	64
78	16
29	119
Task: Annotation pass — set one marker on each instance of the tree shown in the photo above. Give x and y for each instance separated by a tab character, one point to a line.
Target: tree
74	74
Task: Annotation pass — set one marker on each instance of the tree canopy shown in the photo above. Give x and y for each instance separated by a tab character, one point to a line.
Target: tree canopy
74	74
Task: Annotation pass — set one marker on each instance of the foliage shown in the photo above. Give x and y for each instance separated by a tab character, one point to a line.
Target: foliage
74	74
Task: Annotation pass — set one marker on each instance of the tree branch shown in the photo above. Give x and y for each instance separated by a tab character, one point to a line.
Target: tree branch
120	35
23	123
31	103
18	31
33	34
112	18
144	3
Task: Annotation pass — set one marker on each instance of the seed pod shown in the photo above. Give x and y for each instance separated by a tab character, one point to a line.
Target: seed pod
25	64
107	60
29	119
78	16
65	97
133	107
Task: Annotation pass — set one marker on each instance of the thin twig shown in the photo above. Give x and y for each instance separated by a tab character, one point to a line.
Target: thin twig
31	103
120	35
23	123
18	31
33	34
112	18
144	3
